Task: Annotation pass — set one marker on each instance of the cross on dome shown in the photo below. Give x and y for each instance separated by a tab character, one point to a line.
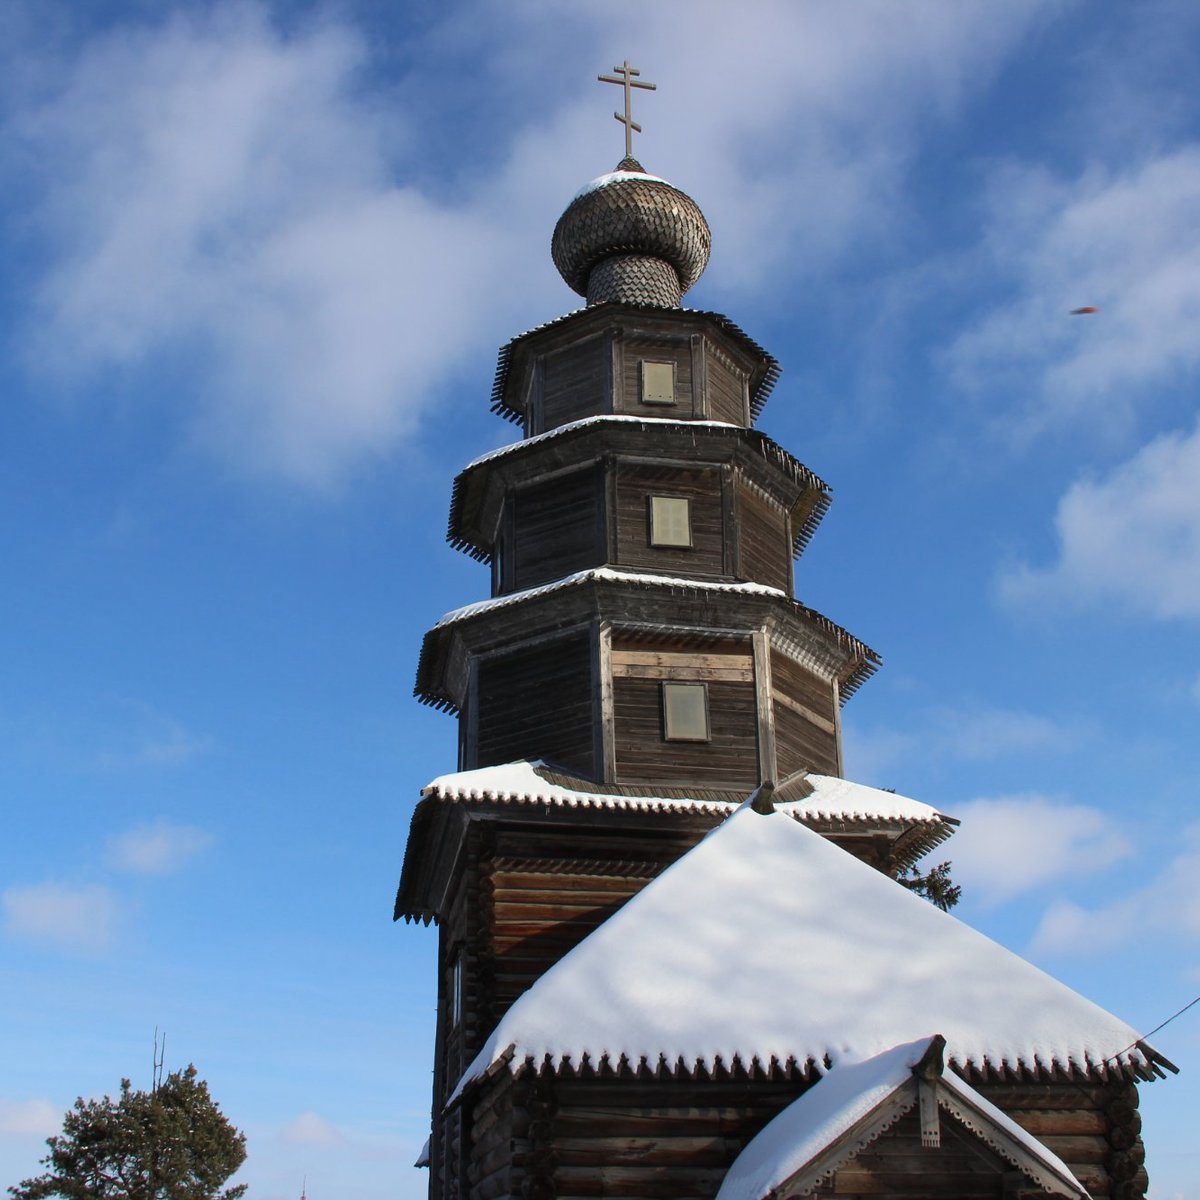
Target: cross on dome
624	75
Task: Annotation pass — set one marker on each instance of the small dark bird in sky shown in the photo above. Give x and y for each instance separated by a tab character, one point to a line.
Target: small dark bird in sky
1087	308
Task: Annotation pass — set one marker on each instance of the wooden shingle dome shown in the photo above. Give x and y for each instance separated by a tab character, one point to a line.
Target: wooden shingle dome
631	237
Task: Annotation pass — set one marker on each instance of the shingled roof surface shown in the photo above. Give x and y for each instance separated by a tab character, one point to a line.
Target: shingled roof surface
768	944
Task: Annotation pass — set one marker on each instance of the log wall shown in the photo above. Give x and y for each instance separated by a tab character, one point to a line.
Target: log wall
675	1138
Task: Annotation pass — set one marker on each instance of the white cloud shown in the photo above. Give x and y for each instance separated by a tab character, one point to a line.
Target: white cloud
1123	241
82	919
235	204
158	849
26	1118
309	1129
1168	905
1009	845
158	741
965	732
1132	538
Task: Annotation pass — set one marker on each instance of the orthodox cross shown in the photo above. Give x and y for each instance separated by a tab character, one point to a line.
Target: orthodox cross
625	75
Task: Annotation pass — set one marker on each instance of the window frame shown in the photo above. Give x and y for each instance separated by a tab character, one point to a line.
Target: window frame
690	685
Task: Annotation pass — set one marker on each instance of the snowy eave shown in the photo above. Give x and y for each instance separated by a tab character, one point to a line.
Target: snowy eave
583	422
799	1146
832	799
767	944
606	575
602	181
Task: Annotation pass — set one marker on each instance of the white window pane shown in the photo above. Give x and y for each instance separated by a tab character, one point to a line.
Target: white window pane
670	521
685	712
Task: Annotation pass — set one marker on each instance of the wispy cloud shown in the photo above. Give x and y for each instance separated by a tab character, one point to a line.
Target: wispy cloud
1131	537
1009	845
967	732
82	919
29	1118
1122	240
150	738
309	1129
1168	905
158	849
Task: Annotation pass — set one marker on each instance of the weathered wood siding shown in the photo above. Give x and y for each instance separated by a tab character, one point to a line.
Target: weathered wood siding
806	719
726	387
764	543
642	753
536	702
555	528
630	351
634	485
575	383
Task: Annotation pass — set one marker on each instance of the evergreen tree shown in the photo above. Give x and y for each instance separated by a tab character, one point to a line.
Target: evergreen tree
935	885
172	1143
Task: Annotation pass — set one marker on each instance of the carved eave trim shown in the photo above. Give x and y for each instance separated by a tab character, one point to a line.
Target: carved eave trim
764	465
512	366
684	606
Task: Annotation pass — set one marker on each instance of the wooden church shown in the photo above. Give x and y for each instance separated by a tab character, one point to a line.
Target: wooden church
673	957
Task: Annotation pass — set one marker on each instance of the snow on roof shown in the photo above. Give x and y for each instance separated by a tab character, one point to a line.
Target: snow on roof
601	419
606	574
832	799
612	177
766	943
842	1098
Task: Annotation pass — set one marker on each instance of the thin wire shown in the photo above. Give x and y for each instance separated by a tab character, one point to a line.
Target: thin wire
1190	1004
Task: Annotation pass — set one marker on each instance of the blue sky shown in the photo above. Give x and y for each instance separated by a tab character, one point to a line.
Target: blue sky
257	263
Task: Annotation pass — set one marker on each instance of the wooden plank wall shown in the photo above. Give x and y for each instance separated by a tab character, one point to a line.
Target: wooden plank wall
764	540
631	351
728	394
575	383
635	483
643	755
536	702
555	529
805	718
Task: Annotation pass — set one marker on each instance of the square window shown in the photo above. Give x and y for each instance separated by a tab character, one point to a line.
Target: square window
670	521
685	712
658	382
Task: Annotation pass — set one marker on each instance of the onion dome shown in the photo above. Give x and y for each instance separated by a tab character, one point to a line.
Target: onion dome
631	237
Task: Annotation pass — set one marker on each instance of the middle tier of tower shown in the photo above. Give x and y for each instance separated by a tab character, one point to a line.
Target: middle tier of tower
697	500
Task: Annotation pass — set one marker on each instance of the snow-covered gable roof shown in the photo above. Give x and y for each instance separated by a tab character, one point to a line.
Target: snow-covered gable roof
832	799
767	944
851	1105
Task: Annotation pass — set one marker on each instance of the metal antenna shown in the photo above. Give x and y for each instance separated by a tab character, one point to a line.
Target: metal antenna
625	75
